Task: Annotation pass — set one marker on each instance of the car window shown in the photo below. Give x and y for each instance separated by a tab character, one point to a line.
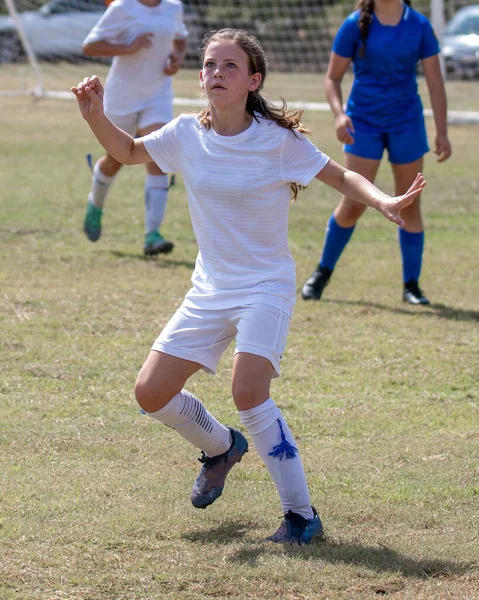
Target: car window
464	26
68	6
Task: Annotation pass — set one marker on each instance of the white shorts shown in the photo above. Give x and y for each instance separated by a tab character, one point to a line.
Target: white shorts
151	115
202	336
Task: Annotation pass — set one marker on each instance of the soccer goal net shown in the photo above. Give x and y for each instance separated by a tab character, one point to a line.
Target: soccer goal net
40	42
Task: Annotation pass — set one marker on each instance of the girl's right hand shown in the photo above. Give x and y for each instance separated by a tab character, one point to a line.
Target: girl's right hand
344	129
89	95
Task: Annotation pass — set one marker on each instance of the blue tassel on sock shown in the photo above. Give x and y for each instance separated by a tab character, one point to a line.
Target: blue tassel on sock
284	449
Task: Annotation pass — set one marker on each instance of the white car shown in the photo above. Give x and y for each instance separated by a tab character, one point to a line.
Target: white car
460	43
58	28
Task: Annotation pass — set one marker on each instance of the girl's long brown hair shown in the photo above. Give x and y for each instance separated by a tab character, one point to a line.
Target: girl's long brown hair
366	8
255	103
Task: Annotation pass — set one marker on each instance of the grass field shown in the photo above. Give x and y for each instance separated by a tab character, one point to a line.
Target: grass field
382	397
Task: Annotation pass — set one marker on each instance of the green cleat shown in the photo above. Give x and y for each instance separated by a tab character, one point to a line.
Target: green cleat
155	244
92	222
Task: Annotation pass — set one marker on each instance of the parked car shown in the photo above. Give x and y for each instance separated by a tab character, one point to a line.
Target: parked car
460	44
58	28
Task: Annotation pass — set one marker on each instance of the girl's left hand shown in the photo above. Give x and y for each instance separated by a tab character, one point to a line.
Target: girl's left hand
443	148
392	207
173	65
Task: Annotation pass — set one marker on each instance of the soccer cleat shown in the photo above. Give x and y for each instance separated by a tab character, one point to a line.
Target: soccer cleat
155	244
210	482
412	293
92	222
314	286
296	529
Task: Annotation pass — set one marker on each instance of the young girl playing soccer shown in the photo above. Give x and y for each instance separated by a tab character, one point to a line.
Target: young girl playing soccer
384	39
240	158
147	39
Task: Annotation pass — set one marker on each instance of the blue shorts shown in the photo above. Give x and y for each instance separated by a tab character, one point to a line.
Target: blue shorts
402	146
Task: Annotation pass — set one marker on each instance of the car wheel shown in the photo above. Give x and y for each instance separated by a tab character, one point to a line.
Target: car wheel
11	49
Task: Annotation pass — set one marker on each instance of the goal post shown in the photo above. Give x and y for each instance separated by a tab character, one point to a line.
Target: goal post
38	89
438	22
438	17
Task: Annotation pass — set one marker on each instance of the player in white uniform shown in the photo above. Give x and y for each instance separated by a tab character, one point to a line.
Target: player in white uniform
240	159
147	39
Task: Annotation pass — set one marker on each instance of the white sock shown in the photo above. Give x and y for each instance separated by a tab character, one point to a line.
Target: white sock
99	186
185	413
277	448
156	197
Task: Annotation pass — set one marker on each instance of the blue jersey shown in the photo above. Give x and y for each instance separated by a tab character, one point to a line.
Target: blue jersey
384	95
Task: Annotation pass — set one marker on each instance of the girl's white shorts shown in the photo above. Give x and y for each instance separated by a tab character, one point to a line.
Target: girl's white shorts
151	115
202	336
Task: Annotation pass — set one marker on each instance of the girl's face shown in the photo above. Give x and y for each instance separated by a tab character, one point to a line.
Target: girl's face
225	76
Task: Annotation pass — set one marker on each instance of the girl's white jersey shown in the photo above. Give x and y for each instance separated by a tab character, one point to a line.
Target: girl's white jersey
136	81
238	190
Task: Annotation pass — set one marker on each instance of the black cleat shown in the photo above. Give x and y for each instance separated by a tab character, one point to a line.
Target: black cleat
314	286
412	294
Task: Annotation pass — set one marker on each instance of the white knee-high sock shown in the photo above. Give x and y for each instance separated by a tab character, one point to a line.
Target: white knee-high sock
277	448
99	186
156	197
185	413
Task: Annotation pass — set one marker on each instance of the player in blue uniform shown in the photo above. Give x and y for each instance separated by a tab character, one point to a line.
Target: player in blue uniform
384	39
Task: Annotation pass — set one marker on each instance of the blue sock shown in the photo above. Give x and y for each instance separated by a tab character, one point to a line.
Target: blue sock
412	246
335	242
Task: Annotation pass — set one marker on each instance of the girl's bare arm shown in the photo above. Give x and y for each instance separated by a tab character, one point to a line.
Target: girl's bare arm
119	144
437	93
361	190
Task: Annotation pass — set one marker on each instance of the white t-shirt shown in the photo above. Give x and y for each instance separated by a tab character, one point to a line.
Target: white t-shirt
238	190
136	81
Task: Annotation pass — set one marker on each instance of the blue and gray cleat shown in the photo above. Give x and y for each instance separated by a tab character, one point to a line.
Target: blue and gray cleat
296	529
210	482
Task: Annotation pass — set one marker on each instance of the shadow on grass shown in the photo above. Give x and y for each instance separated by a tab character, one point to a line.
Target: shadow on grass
381	559
433	310
226	533
159	261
